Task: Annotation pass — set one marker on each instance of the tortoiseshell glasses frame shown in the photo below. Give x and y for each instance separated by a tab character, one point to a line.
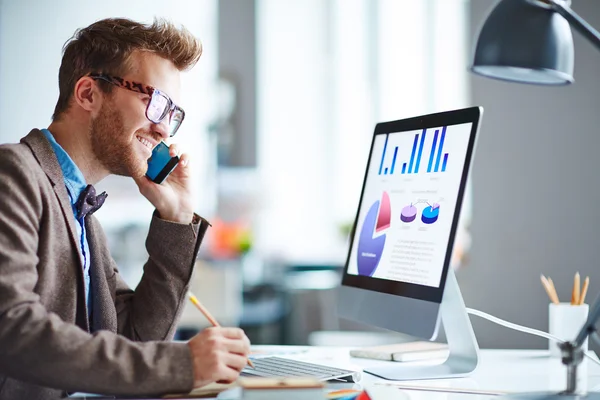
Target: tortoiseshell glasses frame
159	105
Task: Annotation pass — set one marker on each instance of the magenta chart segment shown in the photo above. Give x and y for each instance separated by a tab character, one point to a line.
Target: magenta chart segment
428	216
384	218
437	162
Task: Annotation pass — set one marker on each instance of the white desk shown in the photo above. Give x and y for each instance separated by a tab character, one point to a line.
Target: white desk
498	370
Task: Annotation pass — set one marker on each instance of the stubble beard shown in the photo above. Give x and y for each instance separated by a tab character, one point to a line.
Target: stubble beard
111	145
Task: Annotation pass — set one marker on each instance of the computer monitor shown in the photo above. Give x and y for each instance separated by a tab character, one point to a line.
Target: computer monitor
401	244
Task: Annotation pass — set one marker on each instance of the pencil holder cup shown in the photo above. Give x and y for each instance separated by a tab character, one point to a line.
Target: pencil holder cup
565	321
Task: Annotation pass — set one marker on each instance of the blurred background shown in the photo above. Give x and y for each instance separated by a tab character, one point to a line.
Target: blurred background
280	113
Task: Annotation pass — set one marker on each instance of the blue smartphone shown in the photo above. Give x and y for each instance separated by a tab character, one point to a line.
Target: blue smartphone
161	164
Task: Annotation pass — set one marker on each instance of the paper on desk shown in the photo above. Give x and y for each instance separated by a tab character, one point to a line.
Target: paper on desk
443	389
386	393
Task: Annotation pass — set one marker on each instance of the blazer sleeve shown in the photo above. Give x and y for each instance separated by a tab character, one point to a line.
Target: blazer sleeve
36	345
151	311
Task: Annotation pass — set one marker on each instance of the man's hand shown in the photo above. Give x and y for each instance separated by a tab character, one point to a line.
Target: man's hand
173	197
219	355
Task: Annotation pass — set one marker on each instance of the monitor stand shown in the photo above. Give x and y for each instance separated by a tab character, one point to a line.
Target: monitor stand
462	344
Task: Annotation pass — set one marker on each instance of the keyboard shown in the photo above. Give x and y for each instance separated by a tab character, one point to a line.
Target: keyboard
283	367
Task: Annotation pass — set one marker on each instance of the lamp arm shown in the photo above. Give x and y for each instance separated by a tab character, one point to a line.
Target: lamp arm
577	22
589	327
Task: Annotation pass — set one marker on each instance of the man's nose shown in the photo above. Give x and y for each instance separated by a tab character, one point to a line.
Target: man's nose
162	128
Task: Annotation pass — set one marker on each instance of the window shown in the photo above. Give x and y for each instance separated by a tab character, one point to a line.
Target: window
327	71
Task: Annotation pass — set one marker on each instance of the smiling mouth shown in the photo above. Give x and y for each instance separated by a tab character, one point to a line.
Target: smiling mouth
145	142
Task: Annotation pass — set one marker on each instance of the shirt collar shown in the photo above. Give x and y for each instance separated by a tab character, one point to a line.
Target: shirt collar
74	180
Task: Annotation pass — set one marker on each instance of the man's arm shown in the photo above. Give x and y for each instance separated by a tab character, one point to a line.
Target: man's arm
172	244
37	346
152	311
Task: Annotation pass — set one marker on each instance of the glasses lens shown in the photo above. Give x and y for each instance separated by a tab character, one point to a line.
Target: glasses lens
176	120
157	108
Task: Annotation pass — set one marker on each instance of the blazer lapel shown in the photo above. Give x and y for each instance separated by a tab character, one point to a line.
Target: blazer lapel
103	312
43	152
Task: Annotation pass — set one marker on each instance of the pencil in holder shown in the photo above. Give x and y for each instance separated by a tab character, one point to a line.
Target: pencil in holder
565	320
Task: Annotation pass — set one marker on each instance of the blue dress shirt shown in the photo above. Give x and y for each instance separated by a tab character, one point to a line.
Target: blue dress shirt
75	183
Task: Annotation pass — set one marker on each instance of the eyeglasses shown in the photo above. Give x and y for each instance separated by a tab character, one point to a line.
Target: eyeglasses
159	106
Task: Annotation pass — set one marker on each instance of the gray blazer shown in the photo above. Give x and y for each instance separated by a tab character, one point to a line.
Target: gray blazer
46	346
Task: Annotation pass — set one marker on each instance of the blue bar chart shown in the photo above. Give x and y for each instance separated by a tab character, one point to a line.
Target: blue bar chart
435	138
383	154
439	152
412	155
437	161
394	160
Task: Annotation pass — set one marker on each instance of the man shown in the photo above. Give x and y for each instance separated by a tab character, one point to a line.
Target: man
68	322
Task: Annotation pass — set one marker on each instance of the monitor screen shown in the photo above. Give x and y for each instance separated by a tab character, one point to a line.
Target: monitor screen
409	206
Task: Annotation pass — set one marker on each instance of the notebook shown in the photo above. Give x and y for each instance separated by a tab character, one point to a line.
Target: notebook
210	390
403	352
300	388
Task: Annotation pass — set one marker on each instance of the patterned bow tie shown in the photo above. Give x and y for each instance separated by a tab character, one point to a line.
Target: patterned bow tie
88	202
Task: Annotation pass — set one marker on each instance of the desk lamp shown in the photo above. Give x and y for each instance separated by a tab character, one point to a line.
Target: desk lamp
530	41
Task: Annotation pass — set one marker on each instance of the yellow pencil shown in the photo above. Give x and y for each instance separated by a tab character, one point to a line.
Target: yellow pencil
549	290
208	315
586	284
553	289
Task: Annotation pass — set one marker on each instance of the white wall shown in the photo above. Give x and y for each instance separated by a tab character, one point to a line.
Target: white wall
535	192
32	34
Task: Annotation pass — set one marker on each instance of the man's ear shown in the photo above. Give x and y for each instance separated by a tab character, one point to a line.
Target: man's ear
87	94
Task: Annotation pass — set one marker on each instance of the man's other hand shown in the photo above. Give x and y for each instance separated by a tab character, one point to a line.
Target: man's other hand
219	355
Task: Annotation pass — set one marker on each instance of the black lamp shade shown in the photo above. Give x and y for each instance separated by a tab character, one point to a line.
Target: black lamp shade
523	42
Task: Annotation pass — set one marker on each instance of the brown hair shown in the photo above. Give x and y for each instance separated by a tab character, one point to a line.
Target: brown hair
106	45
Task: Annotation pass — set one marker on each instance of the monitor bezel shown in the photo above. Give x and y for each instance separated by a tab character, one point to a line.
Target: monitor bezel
421	292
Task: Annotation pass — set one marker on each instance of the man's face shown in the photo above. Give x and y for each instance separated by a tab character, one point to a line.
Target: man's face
121	135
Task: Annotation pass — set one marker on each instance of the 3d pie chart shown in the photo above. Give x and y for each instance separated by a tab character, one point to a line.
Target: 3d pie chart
431	214
408	213
370	248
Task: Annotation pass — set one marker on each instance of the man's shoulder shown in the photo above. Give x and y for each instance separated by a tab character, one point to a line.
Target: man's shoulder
22	178
18	160
16	154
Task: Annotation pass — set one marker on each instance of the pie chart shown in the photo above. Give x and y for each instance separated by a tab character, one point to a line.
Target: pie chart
370	248
384	218
431	214
408	213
